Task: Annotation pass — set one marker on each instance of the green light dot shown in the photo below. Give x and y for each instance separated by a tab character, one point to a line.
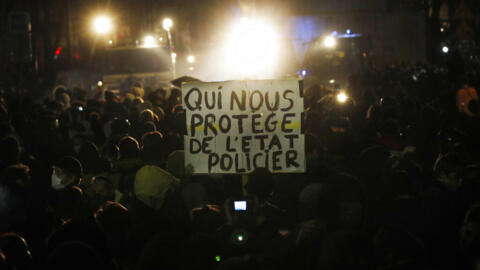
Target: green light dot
217	258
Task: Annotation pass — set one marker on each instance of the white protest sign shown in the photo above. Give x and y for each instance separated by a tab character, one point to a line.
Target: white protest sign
237	126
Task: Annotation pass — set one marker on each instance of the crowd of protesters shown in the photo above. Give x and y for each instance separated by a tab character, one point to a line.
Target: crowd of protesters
97	180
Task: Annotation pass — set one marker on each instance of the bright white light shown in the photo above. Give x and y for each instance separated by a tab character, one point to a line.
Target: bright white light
174	57
445	49
329	42
149	42
342	97
442	29
100	83
304	73
102	25
191	59
240	205
240	238
348	31
332	81
167	24
110	42
160	38
251	49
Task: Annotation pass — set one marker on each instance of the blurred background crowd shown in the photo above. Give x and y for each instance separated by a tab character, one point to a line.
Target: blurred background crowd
96	179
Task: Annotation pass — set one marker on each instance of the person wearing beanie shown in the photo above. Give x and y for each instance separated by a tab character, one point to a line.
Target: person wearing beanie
67	172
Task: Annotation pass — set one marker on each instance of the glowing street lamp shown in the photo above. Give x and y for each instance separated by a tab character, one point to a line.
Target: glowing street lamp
149	41
167	24
329	42
251	48
102	25
342	97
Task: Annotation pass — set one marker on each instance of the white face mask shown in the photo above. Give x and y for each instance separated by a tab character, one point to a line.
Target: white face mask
57	182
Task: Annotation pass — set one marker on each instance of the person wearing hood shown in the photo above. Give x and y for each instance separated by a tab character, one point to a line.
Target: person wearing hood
156	205
67	173
68	201
152	185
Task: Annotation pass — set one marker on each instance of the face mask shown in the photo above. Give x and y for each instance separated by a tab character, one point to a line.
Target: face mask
57	182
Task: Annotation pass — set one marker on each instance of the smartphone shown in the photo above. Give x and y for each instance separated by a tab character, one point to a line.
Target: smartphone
240	205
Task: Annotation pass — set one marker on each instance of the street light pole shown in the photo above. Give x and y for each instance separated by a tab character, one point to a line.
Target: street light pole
167	25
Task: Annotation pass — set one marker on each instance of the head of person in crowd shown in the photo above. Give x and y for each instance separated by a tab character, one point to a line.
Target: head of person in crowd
447	170
147	115
61	95
114	219
260	183
102	191
159	112
16	251
158	97
71	204
342	202
194	195
64	99
67	172
142	128
370	166
129	147
338	136
450	140
119	126
59	91
402	176
173	141
10	153
176	165
110	152
153	146
152	185
80	96
175	97
16	176
110	97
96	126
308	202
78	141
89	157
207	219
178	119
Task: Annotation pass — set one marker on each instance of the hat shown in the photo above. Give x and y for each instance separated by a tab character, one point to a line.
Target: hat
70	164
151	185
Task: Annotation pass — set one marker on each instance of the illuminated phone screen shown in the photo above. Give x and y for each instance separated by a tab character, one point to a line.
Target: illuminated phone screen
240	205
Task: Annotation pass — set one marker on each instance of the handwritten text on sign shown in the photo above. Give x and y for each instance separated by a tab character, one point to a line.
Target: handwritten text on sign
237	126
